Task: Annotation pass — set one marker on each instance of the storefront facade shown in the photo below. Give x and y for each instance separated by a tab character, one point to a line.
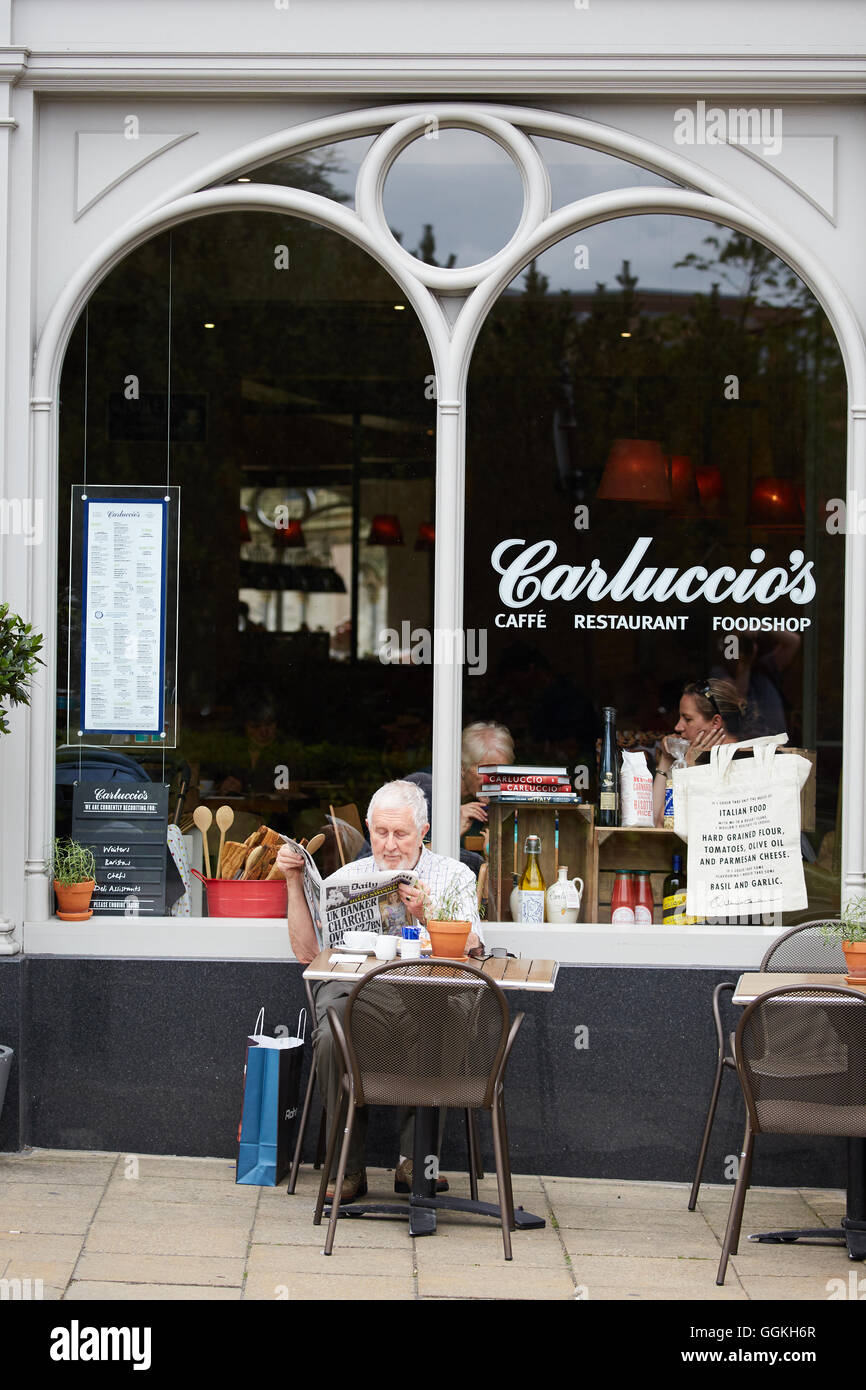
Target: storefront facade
568	173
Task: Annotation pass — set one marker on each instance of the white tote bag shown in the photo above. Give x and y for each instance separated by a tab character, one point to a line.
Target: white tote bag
742	824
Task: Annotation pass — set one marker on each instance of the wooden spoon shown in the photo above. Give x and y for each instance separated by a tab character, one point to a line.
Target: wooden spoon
316	843
252	860
203	817
224	818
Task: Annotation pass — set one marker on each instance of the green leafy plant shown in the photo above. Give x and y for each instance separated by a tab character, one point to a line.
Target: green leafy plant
851	924
449	906
18	660
73	863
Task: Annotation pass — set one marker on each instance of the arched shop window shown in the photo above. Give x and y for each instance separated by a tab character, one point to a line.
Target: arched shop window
302	442
656	392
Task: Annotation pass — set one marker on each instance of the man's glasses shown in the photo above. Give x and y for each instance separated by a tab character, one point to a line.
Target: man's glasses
703	688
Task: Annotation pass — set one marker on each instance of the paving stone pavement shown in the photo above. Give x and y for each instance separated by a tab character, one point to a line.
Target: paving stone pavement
94	1226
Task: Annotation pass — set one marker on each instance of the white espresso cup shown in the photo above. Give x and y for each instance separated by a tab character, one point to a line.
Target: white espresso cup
386	948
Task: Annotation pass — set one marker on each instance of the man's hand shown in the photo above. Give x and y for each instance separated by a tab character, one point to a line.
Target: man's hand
473	945
287	861
413	896
472	811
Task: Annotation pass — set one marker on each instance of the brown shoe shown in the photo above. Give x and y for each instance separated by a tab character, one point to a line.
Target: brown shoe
354	1185
403	1178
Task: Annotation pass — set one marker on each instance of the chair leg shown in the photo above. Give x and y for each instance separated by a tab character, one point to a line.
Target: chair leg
705	1142
302	1127
506	1156
338	1184
320	1142
479	1166
505	1200
735	1216
472	1145
329	1161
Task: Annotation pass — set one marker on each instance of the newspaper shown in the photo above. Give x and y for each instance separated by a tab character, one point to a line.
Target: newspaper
351	900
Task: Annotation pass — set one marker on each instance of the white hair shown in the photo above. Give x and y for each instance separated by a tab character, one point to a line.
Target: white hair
486	743
401	794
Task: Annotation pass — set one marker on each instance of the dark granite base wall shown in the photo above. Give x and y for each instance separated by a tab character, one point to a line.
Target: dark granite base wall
147	1057
11	991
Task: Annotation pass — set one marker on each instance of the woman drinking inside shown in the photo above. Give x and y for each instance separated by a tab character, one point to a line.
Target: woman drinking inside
711	712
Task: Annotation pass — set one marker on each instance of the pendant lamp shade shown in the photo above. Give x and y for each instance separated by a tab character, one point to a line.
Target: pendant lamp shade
426	538
711	488
290	536
385	529
774	503
684	487
635	471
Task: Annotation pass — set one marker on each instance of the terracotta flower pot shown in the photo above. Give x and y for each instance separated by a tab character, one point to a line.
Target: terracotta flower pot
73	901
449	938
855	959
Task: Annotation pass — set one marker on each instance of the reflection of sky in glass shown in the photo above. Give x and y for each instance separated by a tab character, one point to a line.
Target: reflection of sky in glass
468	189
462	183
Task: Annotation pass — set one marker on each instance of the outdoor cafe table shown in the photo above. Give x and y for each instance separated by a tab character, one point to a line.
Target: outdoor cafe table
853	1228
509	973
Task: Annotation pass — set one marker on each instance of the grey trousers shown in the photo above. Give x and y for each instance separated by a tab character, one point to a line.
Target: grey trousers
329	1070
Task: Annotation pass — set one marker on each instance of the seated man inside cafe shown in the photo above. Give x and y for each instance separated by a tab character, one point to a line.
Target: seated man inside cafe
397	825
484	743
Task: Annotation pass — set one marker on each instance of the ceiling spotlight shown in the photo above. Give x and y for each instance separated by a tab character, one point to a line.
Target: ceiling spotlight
209	325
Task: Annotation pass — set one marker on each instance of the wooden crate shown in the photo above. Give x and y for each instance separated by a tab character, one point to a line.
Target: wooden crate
575	850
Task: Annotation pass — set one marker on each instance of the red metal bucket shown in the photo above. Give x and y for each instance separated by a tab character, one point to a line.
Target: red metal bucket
238	897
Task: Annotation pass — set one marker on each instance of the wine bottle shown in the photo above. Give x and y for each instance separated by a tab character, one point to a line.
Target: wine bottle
532	885
608	772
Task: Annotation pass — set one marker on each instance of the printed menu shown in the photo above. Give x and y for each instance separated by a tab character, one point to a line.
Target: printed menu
123	639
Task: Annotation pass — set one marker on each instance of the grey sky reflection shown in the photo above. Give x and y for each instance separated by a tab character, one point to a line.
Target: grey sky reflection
469	190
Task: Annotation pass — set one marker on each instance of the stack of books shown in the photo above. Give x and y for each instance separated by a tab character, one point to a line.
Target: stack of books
513	784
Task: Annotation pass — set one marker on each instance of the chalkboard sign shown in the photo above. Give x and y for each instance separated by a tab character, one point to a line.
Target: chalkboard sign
125	825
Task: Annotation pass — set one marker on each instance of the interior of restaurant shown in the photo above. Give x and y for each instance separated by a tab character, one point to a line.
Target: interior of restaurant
270	370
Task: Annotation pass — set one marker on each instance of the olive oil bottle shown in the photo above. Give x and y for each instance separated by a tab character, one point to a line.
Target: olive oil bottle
674	896
532	885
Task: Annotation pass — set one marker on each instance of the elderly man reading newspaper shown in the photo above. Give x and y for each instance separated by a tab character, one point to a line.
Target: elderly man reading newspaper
397	825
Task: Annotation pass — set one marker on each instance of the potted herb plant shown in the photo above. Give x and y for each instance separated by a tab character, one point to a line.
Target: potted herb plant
850	931
448	929
74	880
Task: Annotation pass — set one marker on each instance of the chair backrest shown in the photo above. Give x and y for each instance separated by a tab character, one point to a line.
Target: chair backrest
801	1059
418	1033
805	950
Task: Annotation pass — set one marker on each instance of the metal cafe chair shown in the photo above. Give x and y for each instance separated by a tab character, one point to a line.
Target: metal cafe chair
305	1113
801	1060
422	1034
476	1168
801	950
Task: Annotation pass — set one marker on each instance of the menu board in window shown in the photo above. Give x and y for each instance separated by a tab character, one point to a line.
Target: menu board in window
123	616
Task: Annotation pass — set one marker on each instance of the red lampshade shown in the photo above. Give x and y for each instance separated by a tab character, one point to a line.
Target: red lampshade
426	538
245	528
385	529
711	488
290	536
684	487
774	503
635	472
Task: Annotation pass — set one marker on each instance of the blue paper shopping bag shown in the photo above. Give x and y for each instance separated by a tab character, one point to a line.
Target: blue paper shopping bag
269	1116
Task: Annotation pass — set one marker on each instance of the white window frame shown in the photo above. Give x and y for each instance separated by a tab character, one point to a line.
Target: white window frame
451	305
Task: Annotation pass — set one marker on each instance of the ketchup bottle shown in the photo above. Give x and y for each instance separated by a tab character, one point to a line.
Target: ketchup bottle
622	899
643	898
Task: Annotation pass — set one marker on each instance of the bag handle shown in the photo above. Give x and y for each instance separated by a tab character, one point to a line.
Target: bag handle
260	1023
764	748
